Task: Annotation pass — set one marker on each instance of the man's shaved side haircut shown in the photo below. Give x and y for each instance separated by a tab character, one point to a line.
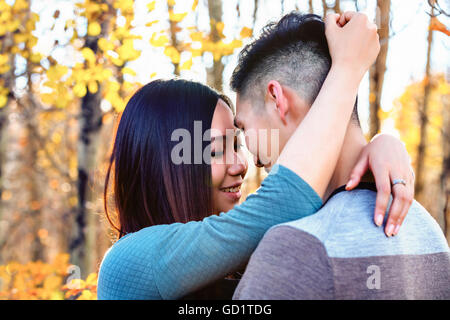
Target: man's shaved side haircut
293	51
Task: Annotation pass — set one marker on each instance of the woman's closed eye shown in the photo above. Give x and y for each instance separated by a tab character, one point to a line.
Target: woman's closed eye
216	154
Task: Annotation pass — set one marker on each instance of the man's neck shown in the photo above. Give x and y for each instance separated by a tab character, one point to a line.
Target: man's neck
354	143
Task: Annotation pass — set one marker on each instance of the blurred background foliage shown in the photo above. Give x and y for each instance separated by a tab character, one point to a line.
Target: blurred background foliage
68	68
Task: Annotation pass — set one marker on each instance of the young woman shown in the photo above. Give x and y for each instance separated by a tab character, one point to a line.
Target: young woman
173	240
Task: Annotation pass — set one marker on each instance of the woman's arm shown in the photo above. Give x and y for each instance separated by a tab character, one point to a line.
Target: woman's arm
170	261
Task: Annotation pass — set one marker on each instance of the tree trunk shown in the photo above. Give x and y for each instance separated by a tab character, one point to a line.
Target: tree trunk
215	73
311	8
90	125
35	199
337	6
423	124
445	175
7	80
173	38
377	70
325	8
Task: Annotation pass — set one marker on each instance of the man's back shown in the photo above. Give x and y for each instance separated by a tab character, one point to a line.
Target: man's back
338	253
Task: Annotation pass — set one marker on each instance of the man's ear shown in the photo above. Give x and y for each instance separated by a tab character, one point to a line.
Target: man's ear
276	94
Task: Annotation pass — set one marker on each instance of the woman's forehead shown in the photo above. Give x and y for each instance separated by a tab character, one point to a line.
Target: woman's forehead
222	120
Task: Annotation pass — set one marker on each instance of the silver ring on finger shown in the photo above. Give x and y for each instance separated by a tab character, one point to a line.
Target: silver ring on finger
399	181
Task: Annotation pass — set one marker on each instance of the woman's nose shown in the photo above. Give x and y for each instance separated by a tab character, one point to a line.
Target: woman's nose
239	165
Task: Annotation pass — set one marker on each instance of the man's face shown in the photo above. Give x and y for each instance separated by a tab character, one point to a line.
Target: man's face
265	133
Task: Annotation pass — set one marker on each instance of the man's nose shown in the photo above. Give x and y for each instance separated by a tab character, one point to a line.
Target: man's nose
257	162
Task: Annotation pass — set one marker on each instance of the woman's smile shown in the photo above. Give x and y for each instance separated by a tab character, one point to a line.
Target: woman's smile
233	192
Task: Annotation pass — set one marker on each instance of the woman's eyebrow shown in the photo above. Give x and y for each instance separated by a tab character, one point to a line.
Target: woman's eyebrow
217	137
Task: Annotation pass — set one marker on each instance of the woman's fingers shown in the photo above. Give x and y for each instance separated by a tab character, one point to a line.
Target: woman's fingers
407	199
358	171
346	17
396	210
381	175
331	23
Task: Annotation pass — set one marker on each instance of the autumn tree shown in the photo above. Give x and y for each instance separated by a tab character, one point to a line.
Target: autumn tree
378	69
16	27
407	113
198	42
215	73
423	124
106	49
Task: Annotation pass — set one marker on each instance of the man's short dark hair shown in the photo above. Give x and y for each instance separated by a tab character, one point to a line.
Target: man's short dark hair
293	51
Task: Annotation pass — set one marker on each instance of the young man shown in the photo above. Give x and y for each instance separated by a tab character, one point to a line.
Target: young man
336	253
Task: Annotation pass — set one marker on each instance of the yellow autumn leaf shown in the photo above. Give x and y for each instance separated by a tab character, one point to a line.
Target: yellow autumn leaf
171	2
129	71
92	86
105	45
2	29
3	101
127	52
80	90
194	5
94	29
151	6
54	73
158	42
91	280
52	283
220	26
113	86
153	75
86	295
4	68
149	24
56	295
20	37
36	57
246	32
236	44
187	65
196	36
12	27
88	54
196	52
173	54
3	58
47	98
176	17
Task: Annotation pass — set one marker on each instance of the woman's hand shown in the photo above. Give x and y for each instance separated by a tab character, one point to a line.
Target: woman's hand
388	160
353	42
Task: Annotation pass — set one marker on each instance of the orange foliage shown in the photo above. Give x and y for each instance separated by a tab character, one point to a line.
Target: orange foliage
45	281
436	25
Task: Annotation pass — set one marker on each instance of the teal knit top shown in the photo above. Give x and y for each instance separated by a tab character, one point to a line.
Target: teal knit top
172	260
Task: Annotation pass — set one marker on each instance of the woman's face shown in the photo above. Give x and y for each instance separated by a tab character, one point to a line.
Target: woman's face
228	162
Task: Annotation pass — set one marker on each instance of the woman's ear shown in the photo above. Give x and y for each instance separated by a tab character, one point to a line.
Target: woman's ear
276	94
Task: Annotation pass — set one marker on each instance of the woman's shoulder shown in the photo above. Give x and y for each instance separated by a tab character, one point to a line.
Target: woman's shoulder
126	271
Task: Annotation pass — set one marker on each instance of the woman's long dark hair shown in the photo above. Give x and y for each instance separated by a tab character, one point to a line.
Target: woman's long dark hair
149	189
